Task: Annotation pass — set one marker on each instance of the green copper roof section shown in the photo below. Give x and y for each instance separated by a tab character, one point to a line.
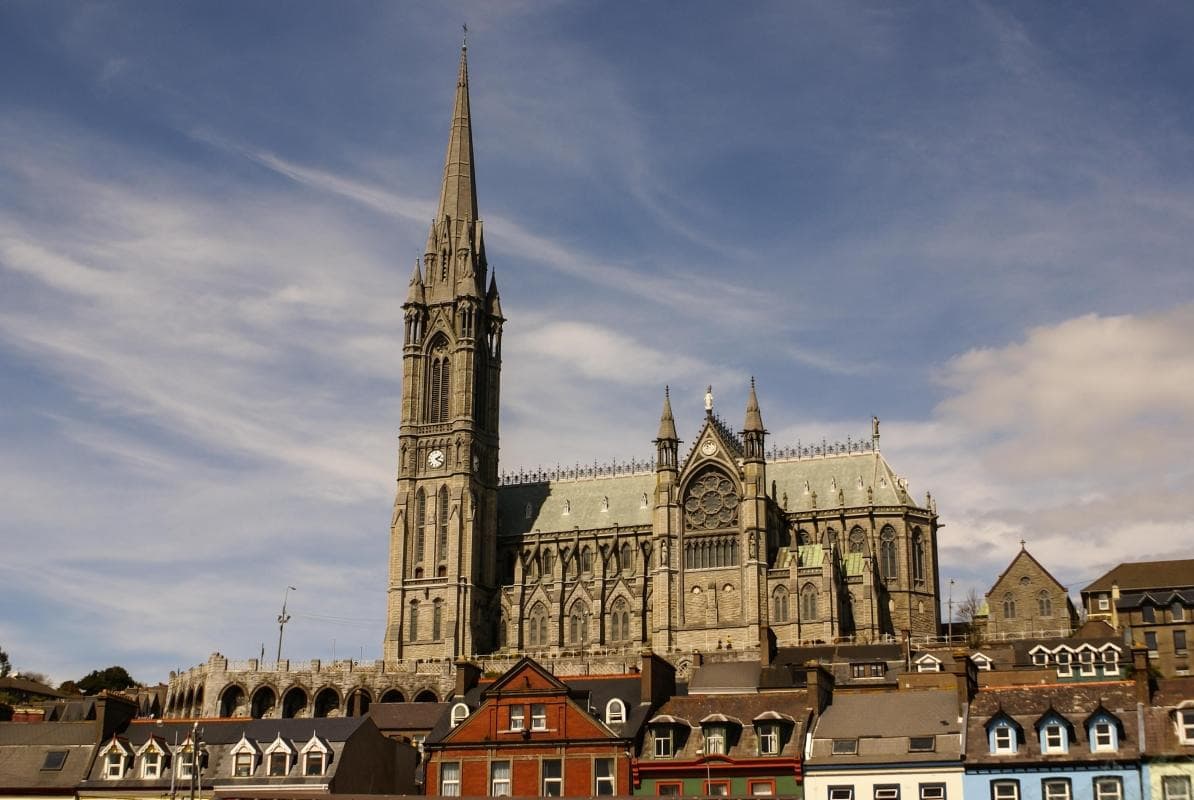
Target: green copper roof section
853	564
811	555
838	481
585	504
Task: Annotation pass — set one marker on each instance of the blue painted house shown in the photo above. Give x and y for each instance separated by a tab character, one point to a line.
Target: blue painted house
1055	741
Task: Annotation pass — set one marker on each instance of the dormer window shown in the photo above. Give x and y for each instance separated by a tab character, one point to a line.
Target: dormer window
1040	657
316	754
459	713
1103	733
1064	660
244	758
928	663
981	662
769	739
1148	613
615	712
1003	736
665	742
151	764
278	758
1185	725
1054	733
715	740
114	765
242	765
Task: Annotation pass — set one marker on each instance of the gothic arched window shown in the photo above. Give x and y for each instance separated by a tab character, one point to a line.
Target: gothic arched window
547	565
1044	604
439	382
918	556
627	564
586	560
1009	606
537	627
437	620
441	520
619	622
779	604
420	523
578	624
889	565
711	502
857	541
413	627
808	603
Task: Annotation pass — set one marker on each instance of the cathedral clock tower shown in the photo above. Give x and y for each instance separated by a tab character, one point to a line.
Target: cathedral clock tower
443	531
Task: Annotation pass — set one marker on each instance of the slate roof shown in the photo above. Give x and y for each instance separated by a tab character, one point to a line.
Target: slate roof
826	475
884	722
219	738
1026	704
725	677
838	658
407	716
1146	575
1155	597
1022	648
23	750
1159	723
26	687
744	707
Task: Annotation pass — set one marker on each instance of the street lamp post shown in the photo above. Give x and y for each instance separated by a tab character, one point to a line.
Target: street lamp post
283	618
951	611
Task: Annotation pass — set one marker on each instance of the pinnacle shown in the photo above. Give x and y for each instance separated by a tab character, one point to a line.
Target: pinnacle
754	419
667	423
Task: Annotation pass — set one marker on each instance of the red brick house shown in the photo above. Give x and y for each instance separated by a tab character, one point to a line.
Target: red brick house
530	734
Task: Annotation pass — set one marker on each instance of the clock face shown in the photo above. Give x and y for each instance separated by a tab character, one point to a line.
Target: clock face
435	459
708	448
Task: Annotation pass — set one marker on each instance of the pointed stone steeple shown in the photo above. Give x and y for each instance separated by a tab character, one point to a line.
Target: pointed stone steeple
754	420
493	300
458	194
752	430
667	423
414	295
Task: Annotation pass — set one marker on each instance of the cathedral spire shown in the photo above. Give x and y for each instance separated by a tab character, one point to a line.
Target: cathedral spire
415	294
458	195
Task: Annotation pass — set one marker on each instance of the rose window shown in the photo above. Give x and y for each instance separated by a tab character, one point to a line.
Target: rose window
712	503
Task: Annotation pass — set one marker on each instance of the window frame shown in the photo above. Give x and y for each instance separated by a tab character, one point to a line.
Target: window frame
665	740
610	780
927	744
271	759
931	791
615	711
538	716
456	717
1184	718
151	764
1100	783
241	768
517	717
449	786
114	765
660	786
1148	613
494	780
753	784
556	781
841	792
1012	785
314	757
768	732
1061	745
886	791
1180	648
720	784
1150	641
844	747
1103	735
1049	784
1180	780
54	760
1004	730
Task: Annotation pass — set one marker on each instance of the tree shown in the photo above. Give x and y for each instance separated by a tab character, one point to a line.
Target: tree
5	664
969	611
36	677
70	687
113	678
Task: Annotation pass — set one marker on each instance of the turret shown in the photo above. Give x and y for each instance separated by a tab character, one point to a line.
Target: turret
414	309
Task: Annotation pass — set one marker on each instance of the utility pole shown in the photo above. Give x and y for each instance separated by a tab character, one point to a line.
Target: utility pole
283	618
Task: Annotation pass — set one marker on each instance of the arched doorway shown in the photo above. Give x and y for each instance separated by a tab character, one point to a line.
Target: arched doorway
264	701
393	696
294	703
358	703
232	701
327	703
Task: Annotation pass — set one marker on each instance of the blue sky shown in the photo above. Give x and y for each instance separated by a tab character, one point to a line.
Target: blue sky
972	220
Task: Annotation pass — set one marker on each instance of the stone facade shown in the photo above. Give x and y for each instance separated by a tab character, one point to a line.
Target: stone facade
1027	601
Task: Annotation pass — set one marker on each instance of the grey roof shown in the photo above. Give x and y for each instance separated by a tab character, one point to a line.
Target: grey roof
23	750
407	716
727	676
883	724
907	713
583	499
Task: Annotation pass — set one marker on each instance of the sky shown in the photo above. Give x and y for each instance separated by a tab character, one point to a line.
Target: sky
972	220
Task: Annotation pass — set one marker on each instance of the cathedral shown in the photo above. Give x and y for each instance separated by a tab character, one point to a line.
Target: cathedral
718	548
709	547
